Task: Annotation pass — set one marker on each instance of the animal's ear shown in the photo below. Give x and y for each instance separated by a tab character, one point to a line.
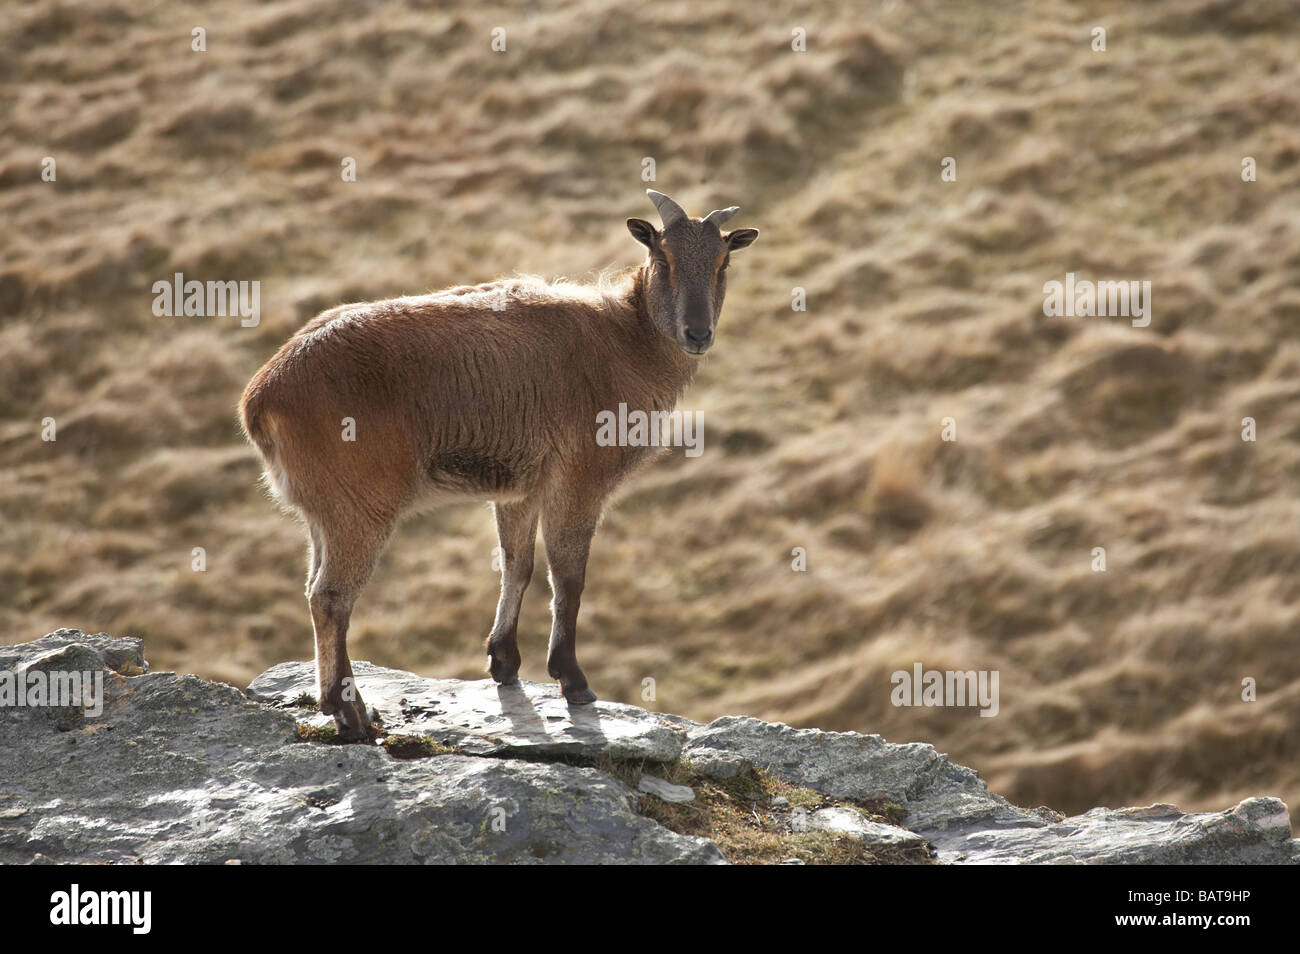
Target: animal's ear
642	231
740	238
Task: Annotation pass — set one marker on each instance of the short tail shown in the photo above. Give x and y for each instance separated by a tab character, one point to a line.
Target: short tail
259	425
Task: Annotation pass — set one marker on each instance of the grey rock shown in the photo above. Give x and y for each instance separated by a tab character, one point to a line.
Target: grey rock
57	655
951	807
181	770
721	767
526	720
662	788
846	821
936	793
121	654
81	663
1256	831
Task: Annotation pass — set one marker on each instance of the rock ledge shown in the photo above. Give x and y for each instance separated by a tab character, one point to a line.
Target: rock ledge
179	769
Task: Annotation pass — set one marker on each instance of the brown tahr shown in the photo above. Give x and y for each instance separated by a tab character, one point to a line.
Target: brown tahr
482	391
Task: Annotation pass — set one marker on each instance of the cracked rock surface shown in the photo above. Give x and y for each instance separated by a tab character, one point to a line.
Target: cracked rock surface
179	769
526	720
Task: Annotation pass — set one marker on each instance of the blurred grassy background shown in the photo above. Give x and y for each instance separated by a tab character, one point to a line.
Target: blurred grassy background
822	428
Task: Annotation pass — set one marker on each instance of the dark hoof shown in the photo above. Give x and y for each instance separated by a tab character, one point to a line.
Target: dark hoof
347	733
353	721
504	672
579	697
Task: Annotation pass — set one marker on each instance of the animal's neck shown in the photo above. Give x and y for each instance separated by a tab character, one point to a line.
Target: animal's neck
668	369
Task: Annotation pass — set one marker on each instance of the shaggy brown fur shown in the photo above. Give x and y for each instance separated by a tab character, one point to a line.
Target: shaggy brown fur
489	391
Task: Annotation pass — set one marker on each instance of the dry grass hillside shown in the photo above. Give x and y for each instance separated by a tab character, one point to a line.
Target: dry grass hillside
924	301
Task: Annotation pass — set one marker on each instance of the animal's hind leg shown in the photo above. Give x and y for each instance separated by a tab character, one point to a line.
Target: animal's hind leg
315	550
344	561
517	533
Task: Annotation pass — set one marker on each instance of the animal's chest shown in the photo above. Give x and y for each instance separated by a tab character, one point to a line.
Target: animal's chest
628	437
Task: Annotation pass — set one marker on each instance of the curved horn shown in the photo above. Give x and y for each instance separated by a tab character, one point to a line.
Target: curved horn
719	216
669	211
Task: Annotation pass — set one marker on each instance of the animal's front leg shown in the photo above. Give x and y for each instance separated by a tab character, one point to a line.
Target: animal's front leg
567	531
340	697
517	533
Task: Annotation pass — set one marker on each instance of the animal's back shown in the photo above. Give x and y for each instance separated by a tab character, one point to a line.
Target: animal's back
445	392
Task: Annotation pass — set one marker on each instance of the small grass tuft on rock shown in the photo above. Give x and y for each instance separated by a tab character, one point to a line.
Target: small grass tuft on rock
324	734
416	747
738	815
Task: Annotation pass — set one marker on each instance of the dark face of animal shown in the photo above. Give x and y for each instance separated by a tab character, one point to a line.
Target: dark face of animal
687	275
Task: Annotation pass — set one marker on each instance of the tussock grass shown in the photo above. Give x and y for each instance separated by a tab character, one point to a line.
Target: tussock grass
924	302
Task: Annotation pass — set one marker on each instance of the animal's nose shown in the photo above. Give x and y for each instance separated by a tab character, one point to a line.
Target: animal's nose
699	337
